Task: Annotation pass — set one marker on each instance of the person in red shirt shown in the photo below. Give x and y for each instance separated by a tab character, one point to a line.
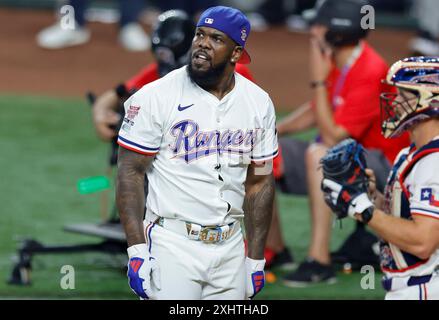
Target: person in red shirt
171	41
346	76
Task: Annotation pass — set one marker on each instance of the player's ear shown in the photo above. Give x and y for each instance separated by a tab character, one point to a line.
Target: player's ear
236	54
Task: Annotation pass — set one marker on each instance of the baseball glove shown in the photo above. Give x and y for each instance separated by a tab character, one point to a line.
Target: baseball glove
344	177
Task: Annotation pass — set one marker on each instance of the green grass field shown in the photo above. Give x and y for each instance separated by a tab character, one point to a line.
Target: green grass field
46	145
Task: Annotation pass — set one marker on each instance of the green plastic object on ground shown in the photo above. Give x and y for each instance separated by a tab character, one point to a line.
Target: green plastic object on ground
93	184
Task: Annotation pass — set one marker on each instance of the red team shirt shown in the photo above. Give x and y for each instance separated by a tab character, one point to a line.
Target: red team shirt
357	103
151	73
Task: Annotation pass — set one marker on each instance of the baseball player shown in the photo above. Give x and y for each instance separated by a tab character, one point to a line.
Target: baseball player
205	136
407	216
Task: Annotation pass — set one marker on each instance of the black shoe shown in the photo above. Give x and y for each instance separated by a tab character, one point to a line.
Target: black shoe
360	248
283	260
310	272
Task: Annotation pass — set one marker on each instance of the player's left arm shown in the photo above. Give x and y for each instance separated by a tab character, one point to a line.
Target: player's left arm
259	197
258	204
259	184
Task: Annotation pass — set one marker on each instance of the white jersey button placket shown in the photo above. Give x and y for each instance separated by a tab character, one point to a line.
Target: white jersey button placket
219	128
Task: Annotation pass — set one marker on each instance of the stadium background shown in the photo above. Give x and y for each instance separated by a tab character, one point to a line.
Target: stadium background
47	143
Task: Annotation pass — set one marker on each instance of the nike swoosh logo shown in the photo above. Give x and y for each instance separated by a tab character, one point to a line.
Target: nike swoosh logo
180	108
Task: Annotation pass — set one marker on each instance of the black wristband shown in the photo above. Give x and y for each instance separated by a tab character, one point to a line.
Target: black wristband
315	84
367	215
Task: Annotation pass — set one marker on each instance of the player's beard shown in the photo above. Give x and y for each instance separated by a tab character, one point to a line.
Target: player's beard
209	78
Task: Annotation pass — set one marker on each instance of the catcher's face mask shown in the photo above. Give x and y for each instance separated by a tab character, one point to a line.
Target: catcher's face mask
395	109
417	80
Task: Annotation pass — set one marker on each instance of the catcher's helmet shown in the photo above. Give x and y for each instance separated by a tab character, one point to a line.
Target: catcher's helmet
343	19
171	40
419	77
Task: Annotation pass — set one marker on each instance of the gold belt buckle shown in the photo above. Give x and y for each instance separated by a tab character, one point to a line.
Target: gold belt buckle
210	235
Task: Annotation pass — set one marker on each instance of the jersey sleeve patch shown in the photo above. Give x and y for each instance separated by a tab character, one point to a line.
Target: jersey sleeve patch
423	186
142	127
427	203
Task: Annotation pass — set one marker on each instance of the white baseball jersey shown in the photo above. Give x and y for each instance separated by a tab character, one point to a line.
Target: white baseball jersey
202	145
413	189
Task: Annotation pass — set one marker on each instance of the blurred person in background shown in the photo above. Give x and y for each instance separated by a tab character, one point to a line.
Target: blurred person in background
171	40
426	13
192	7
346	76
278	12
131	34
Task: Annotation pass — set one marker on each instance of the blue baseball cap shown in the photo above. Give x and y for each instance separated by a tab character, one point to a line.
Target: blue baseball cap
232	22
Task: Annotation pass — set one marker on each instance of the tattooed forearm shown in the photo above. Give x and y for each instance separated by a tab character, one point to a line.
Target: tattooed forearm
130	197
258	204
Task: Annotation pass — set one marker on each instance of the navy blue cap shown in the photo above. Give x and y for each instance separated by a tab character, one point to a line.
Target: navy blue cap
232	22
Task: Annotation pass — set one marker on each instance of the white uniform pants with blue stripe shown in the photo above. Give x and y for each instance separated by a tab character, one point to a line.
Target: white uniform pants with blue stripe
426	291
193	270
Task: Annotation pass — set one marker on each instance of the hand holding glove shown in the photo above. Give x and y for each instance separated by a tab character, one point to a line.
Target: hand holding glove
345	200
345	183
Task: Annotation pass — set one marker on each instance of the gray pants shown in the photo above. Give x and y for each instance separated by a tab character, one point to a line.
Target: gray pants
294	178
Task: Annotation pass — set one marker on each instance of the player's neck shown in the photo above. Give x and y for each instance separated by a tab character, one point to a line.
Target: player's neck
343	55
424	132
224	85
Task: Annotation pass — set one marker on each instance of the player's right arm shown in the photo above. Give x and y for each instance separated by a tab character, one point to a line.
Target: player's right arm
419	236
299	120
139	140
130	195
